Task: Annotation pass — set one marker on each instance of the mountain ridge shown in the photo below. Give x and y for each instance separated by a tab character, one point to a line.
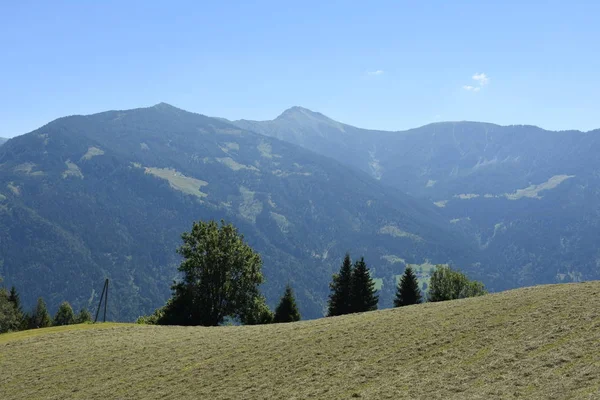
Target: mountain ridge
505	186
300	110
114	190
111	192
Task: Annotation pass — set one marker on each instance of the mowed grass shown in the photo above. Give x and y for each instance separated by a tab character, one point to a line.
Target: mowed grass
541	342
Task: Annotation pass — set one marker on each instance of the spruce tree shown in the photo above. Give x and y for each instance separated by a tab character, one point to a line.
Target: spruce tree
362	292
15	299
64	315
287	310
408	289
339	299
40	317
9	320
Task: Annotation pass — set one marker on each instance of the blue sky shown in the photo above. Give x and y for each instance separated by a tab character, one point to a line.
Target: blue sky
380	64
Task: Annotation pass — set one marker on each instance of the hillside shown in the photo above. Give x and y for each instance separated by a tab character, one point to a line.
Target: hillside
108	195
2	141
528	198
535	343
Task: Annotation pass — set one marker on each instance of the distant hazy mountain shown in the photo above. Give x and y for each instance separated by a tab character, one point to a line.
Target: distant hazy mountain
108	195
528	197
316	132
2	140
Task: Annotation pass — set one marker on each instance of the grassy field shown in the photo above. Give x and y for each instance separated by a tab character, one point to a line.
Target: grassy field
541	342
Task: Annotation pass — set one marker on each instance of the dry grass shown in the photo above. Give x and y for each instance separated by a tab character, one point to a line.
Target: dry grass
540	342
533	191
178	181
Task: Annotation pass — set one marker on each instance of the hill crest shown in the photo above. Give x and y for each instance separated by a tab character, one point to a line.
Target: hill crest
538	342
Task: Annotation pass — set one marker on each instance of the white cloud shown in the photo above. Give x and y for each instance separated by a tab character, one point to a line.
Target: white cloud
376	72
472	88
482	79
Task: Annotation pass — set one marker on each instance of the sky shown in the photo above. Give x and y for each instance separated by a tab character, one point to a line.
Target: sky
390	65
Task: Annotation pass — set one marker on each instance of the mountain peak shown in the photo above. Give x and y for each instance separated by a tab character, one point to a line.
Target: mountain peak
165	106
297	112
297	109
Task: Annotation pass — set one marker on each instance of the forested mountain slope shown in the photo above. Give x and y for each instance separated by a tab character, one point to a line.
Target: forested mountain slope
529	198
108	195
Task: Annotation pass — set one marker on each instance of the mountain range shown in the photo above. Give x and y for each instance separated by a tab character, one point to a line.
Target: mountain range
108	195
527	197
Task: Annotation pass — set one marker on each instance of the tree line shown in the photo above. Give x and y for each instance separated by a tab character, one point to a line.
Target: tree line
13	318
353	288
221	275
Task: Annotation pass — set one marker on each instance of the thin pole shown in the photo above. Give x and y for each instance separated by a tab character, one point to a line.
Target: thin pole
100	304
105	300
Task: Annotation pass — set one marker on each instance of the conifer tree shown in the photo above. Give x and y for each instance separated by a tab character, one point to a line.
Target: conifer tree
408	289
40	317
9	320
287	310
15	299
64	315
362	292
339	299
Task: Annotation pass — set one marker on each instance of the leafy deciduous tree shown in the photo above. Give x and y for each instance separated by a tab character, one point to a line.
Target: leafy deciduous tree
259	313
64	315
449	284
221	275
83	316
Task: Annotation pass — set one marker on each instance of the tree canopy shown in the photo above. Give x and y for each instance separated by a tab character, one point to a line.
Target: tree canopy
259	313
64	315
221	275
449	284
83	316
